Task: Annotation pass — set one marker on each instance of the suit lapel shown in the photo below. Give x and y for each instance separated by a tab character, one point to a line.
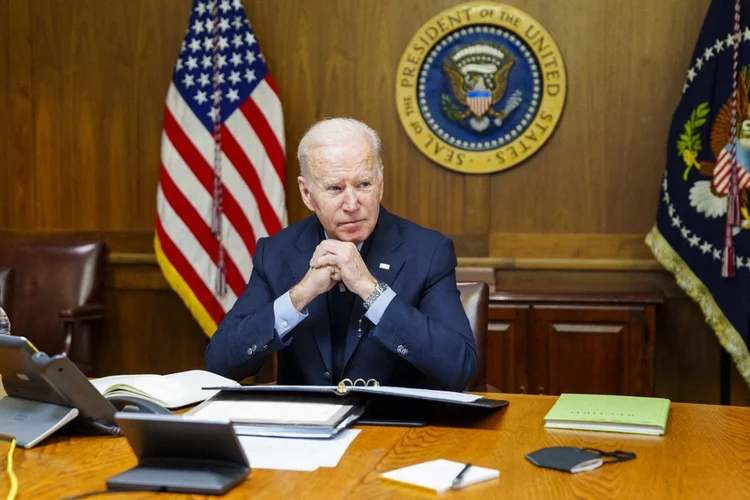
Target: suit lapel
318	308
384	261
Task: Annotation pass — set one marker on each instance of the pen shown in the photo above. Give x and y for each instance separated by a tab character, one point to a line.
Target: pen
460	476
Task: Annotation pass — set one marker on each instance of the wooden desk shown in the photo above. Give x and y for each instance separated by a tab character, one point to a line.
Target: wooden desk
705	454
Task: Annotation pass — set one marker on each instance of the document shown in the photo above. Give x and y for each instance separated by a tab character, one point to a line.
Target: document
277	412
281	415
439	475
296	454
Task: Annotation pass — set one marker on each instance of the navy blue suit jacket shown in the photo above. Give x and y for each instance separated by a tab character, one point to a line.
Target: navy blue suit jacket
422	340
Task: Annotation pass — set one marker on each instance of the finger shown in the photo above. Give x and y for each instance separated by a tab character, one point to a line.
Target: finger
337	247
329	260
319	252
321	260
334	271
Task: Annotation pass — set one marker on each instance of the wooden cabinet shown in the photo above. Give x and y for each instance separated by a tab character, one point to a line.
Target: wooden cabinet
592	341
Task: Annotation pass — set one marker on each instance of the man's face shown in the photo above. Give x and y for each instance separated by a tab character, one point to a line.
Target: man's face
344	191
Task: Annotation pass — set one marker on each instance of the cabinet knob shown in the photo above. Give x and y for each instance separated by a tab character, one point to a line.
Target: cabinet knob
541	389
522	389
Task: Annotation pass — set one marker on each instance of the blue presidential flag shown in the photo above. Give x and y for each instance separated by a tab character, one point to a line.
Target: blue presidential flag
702	231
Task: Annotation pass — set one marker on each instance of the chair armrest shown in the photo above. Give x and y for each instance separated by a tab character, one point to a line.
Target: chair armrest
84	312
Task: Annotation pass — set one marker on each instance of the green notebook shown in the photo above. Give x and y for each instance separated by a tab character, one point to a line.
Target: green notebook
636	415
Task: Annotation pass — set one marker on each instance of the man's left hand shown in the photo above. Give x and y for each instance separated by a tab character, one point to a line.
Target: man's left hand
347	259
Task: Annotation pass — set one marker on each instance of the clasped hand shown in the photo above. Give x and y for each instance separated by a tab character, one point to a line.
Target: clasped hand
333	261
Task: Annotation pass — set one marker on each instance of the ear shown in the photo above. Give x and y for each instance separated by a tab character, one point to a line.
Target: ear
304	191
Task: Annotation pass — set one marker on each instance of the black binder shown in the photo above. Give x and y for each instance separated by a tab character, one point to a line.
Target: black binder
389	405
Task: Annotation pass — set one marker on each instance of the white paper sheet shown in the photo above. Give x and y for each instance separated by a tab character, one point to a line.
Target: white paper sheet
280	412
459	397
296	454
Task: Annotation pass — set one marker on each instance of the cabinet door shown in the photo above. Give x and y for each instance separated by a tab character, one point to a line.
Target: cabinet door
506	347
588	349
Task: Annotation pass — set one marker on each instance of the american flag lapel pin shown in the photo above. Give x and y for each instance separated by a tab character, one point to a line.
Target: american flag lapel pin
385	266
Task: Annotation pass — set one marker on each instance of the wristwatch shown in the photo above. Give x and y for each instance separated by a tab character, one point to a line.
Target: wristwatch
380	287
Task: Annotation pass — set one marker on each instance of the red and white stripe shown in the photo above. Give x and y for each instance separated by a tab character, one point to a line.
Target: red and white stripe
723	174
252	192
479	105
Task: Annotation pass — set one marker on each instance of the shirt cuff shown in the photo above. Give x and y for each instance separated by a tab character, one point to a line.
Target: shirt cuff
377	309
285	316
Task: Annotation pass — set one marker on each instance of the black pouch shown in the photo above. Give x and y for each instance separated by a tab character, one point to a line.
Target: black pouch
570	459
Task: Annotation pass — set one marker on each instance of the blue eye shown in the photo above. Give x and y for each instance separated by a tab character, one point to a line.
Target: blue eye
365	184
334	188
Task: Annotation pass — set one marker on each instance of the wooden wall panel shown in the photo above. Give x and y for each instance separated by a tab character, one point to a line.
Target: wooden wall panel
86	82
149	331
101	71
598	174
17	174
600	171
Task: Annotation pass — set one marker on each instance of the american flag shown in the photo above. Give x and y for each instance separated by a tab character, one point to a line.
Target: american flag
722	171
221	182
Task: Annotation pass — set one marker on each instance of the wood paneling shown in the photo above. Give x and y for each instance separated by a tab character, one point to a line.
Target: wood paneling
17	173
85	82
149	331
569	246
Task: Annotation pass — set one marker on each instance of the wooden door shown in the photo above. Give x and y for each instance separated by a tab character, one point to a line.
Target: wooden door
507	347
588	349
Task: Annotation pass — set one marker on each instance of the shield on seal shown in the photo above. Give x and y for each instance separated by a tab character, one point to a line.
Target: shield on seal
478	101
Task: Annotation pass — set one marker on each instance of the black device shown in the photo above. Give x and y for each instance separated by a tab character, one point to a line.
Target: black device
20	376
63	375
33	375
181	454
572	459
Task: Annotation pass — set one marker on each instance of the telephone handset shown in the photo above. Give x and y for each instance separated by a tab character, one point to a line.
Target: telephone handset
71	384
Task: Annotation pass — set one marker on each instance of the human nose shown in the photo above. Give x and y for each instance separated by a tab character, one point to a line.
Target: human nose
351	200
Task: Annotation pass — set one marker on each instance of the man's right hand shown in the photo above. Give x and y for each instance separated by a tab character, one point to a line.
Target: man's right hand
318	280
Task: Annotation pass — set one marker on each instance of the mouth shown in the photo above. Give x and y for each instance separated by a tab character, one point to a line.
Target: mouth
349	223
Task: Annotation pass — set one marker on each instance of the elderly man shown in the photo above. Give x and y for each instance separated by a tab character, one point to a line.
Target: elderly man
353	291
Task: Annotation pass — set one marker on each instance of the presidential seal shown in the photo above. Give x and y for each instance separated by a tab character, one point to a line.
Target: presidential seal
480	87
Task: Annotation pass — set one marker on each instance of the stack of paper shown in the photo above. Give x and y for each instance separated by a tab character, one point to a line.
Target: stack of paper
274	415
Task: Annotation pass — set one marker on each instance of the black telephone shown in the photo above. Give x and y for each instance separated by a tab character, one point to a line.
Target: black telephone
71	384
30	374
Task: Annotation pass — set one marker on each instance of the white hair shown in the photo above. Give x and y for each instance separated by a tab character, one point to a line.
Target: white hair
338	133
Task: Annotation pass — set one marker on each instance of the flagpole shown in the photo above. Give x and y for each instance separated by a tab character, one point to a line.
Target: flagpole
217	205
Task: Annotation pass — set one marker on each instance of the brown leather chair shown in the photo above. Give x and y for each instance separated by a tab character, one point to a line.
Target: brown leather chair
6	288
475	297
58	296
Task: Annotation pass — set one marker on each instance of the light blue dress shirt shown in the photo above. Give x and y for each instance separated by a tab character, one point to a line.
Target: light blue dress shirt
286	317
